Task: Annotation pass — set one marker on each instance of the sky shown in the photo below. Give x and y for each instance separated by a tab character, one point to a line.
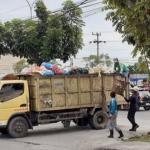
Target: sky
10	9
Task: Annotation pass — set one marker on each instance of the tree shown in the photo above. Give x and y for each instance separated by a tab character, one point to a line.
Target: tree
20	65
72	26
139	67
5	40
131	18
49	37
92	60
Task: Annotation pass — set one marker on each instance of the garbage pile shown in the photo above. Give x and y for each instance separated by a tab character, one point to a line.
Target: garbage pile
100	69
48	70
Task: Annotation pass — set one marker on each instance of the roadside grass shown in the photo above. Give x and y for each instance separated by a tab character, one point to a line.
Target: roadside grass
142	138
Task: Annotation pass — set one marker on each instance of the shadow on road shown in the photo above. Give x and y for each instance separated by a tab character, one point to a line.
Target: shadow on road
51	131
57	131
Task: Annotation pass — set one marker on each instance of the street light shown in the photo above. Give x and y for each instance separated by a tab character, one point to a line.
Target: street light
30	7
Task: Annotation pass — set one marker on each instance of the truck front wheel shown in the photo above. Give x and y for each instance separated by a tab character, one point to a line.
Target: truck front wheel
18	127
99	120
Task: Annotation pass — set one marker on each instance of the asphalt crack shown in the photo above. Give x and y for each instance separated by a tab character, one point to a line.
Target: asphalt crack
37	144
30	143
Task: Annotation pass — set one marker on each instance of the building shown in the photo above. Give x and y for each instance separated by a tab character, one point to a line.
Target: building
6	64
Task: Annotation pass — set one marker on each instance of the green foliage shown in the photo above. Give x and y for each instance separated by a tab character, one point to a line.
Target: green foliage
139	67
141	138
104	59
131	18
20	65
49	37
72	29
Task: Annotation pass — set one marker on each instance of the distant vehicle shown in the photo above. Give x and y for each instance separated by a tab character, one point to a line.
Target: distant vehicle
144	99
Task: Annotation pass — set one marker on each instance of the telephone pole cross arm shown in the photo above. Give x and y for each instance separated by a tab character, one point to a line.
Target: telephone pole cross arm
97	41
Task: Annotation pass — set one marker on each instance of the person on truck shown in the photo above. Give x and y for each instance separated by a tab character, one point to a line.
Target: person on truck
120	68
133	100
117	67
113	111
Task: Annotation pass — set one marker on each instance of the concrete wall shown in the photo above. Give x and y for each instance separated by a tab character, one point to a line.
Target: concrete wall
6	64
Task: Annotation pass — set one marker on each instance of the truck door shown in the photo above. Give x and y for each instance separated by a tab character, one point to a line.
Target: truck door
13	99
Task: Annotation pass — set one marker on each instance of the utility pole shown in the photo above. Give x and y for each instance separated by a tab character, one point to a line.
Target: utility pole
97	41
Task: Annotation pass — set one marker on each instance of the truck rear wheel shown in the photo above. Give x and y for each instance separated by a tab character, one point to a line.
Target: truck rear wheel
99	120
18	127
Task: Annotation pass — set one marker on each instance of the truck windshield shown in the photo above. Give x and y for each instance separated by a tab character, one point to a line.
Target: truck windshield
11	91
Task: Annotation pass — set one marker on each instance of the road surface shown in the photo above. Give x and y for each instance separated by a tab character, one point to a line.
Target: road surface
55	137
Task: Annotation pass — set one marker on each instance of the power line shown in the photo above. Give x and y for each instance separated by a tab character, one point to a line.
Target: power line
95	9
91	14
106	42
19	8
13	10
85	3
59	10
114	41
91	5
104	32
78	4
30	7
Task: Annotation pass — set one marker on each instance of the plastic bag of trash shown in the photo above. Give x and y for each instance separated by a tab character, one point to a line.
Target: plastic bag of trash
38	69
57	70
47	65
47	73
26	70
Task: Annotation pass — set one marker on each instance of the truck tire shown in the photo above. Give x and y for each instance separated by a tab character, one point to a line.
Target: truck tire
4	131
99	120
18	127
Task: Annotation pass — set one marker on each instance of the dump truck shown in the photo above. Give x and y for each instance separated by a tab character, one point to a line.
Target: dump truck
32	100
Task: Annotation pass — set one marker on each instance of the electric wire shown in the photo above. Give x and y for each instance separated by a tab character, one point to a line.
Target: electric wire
13	10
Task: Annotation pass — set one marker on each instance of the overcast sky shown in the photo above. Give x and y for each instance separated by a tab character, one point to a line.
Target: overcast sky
10	9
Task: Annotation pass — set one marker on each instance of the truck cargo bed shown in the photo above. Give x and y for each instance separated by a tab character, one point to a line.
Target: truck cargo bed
70	92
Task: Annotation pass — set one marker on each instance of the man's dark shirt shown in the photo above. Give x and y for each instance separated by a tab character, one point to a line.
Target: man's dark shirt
133	100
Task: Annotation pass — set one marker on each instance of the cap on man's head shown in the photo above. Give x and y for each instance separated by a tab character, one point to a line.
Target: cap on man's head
135	89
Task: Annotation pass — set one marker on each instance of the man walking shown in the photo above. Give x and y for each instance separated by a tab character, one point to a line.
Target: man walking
133	100
113	111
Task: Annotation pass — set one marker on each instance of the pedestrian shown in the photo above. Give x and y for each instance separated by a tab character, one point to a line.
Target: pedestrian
113	111
133	100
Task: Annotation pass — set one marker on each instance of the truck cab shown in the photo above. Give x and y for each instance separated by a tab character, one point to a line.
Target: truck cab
14	101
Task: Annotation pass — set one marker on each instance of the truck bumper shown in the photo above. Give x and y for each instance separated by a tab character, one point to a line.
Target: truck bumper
3	124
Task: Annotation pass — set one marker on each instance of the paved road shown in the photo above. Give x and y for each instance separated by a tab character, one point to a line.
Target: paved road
55	137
